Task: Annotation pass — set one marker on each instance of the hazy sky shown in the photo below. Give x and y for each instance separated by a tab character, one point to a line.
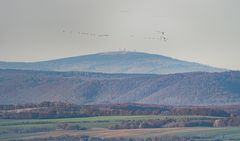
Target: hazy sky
204	31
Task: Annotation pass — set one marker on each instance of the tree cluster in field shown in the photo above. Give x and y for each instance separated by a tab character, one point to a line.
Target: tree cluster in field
66	110
87	138
230	121
162	123
66	126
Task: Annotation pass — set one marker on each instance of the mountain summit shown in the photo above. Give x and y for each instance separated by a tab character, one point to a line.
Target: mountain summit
115	62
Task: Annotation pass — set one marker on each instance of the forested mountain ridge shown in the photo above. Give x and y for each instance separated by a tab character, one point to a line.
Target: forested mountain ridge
198	88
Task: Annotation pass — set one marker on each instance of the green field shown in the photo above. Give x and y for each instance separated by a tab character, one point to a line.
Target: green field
98	122
15	129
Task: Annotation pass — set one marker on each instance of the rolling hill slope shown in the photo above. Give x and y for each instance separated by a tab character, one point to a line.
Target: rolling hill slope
115	62
198	88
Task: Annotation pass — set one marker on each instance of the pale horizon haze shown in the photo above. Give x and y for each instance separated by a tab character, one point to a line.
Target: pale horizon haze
202	31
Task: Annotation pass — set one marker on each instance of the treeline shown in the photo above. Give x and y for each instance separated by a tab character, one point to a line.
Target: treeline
66	110
199	111
26	130
162	123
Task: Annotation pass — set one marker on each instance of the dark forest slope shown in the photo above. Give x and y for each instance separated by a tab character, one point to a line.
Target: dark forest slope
198	88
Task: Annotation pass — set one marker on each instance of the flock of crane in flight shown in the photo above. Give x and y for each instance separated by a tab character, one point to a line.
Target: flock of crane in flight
86	34
161	36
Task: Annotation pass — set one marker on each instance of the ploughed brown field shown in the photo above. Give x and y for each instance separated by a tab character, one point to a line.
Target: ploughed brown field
106	133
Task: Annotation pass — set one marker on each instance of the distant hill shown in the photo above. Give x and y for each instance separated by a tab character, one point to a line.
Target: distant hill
115	62
198	88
